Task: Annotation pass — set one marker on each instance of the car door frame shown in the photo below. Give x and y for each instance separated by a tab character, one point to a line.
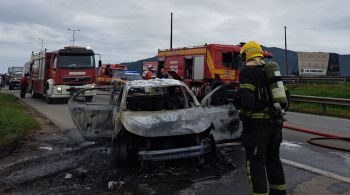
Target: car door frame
225	118
93	121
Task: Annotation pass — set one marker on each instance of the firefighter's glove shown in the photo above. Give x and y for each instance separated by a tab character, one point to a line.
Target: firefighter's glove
279	113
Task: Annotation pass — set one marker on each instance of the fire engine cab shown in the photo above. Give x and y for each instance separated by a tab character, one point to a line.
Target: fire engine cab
57	74
200	65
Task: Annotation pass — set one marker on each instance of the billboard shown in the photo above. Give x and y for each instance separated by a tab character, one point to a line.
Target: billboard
313	63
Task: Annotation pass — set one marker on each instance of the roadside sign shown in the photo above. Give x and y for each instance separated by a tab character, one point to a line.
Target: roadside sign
313	63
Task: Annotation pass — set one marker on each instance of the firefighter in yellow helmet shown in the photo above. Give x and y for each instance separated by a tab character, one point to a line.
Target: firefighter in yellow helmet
262	122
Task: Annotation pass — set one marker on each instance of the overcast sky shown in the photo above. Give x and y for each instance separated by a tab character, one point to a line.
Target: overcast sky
124	31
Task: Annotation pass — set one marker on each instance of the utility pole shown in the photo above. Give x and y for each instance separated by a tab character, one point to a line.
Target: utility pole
285	47
42	44
171	30
73	34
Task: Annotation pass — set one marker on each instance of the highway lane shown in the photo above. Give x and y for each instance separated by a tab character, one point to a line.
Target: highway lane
294	146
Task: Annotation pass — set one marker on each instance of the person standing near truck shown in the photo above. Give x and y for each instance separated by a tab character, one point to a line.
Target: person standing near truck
163	74
262	122
24	85
148	73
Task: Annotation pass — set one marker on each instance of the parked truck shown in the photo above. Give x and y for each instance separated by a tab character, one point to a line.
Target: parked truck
198	66
15	74
58	74
14	69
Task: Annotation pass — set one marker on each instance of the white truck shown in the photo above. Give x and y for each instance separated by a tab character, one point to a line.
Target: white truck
15	73
14	69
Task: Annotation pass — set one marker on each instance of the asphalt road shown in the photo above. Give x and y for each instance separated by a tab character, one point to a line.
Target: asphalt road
294	148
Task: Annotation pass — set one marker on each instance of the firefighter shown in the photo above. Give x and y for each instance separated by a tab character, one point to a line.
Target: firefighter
148	73
24	85
108	71
163	74
262	124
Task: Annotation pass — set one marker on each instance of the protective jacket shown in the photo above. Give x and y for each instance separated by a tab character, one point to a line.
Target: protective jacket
255	99
24	81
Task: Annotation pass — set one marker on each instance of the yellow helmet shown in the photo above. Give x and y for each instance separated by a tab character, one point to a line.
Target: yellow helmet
250	50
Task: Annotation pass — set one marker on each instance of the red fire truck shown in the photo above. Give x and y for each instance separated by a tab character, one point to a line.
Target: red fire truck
199	65
57	74
106	72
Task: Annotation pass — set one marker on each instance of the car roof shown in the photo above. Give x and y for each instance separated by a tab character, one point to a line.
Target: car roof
154	83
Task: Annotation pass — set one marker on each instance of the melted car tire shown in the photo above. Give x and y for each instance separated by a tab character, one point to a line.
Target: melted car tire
212	146
211	157
121	152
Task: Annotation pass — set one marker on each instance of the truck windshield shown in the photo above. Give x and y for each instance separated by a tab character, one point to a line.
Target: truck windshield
118	73
76	61
18	75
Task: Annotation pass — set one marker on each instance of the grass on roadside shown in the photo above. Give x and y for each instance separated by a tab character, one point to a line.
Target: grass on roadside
335	91
15	121
331	110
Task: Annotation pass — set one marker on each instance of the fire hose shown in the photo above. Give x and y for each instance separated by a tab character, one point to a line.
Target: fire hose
324	136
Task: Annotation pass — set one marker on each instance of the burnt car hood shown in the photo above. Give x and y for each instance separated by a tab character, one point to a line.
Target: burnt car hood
166	123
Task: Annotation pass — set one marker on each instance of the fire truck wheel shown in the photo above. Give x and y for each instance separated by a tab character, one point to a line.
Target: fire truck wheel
88	98
48	99
34	95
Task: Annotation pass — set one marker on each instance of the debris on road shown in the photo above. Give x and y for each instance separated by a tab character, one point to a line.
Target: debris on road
45	148
115	185
68	176
81	172
206	178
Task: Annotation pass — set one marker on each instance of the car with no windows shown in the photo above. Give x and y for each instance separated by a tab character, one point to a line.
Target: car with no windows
158	119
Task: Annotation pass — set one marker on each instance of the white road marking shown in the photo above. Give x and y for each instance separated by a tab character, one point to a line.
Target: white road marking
317	171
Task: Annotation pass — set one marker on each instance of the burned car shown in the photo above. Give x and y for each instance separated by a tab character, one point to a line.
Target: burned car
159	119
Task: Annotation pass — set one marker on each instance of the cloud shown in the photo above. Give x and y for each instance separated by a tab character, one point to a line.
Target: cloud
131	30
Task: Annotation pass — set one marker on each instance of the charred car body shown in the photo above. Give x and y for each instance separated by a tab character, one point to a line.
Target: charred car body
153	120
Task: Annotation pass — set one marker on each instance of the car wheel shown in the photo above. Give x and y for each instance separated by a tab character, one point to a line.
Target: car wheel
34	95
120	152
212	147
211	157
146	165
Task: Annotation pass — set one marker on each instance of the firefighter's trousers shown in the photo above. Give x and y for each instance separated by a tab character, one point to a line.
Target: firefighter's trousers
264	168
23	91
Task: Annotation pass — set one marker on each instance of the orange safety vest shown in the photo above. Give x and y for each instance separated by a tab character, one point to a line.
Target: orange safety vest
148	74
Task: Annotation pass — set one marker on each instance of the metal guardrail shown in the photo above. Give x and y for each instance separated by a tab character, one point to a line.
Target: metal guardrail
321	100
291	79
